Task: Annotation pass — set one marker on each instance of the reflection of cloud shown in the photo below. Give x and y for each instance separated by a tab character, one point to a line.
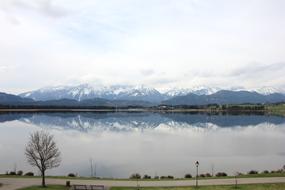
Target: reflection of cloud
281	154
147	72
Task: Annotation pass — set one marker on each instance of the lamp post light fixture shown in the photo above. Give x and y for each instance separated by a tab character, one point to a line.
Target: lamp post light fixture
197	165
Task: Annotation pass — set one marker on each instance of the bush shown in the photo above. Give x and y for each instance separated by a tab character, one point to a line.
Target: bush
167	177
208	175
12	173
265	172
71	175
146	177
202	175
20	173
251	172
239	174
221	174
156	177
135	176
29	174
279	171
188	176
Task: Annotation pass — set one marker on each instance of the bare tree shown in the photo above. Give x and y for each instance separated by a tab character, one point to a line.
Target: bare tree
42	152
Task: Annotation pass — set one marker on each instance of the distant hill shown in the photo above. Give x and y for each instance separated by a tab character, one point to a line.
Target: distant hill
13	99
8	99
225	97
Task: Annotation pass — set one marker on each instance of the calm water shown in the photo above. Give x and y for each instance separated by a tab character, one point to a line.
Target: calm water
148	143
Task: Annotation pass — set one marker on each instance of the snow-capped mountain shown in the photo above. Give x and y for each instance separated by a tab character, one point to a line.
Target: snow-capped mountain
87	91
267	90
127	92
198	90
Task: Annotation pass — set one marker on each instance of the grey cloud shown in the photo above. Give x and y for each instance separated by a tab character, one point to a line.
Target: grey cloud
259	69
45	7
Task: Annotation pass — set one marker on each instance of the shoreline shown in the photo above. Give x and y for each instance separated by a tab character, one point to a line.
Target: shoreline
241	111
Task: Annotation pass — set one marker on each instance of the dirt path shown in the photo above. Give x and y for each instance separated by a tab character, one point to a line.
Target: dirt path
15	183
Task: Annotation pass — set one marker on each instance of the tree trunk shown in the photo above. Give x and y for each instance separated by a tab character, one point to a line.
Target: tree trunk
43	179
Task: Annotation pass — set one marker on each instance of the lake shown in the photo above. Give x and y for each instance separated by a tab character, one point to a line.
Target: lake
120	144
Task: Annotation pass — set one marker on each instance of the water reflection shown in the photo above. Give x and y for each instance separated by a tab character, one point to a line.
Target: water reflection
149	143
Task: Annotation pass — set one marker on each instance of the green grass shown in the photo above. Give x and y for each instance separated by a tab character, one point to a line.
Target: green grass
220	187
276	109
49	187
280	186
126	179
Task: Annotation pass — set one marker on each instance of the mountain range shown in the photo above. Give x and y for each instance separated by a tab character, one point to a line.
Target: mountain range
124	95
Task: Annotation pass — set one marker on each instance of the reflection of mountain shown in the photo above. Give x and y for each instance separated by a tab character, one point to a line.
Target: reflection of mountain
123	121
104	121
225	120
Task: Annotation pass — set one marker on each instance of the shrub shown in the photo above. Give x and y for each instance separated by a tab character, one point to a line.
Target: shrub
167	177
188	176
170	177
20	172
265	172
135	176
208	175
221	174
146	177
251	172
71	175
279	171
202	175
12	173
156	177
239	174
29	174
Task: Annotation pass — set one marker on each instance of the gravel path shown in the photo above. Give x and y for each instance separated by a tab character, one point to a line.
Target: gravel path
16	183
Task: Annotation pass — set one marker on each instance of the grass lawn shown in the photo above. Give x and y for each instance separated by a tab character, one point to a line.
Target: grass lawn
225	187
49	187
280	186
126	179
277	109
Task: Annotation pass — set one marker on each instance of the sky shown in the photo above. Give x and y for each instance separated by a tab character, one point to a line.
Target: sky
158	43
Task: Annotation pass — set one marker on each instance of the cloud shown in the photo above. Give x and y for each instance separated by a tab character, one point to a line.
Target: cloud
157	43
44	7
259	69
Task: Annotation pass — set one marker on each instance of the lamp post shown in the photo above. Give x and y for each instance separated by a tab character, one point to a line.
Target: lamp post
197	165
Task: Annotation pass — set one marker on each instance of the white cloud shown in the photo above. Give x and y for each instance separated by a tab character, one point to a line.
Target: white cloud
156	43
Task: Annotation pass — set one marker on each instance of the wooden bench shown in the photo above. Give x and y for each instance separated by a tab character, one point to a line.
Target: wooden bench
97	187
87	187
79	187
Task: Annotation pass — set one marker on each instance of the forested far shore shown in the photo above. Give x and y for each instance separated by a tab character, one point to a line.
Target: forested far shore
274	109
